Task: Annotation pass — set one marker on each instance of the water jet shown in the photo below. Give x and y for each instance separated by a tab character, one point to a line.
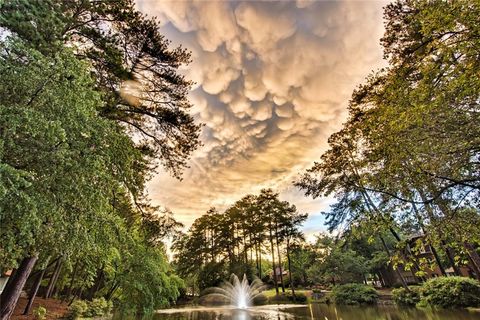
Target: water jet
238	293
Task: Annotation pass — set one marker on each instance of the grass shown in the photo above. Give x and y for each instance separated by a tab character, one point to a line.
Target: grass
271	293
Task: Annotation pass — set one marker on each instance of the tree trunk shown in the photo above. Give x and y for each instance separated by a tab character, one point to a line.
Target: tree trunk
72	280
96	284
256	259
53	279
245	251
290	269
9	281
371	206
437	259
380	278
111	291
450	257
9	298
34	290
273	263
279	260
260	260
399	274
474	258
434	251
442	242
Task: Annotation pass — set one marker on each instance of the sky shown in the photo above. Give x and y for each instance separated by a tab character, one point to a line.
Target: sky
272	82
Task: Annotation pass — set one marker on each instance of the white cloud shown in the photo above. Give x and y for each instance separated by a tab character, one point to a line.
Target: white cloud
273	82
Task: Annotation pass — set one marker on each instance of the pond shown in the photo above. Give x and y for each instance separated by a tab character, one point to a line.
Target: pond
313	311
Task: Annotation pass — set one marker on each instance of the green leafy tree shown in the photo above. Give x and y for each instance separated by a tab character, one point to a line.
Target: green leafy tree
131	61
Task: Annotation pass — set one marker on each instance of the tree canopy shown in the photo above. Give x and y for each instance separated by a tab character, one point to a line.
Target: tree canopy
77	145
218	244
407	158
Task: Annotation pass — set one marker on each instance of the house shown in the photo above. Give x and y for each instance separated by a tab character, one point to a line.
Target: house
4	279
424	256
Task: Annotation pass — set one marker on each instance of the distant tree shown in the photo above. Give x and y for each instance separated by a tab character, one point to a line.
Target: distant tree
302	257
233	241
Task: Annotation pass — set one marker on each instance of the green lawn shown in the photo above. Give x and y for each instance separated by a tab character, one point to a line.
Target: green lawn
271	292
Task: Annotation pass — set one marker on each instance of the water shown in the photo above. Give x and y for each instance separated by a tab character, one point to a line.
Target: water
236	293
313	311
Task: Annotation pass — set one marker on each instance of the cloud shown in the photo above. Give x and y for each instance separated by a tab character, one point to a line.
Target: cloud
273	81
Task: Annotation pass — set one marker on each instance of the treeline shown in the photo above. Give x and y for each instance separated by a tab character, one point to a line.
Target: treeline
255	233
77	145
333	260
407	160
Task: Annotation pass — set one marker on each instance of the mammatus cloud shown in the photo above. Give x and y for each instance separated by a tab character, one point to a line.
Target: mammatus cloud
273	81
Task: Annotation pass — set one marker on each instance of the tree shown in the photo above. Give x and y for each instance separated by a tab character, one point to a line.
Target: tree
218	244
132	63
408	153
302	257
336	264
53	139
70	177
77	145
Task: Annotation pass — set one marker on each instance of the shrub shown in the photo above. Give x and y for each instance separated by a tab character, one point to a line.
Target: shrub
354	293
261	299
403	297
98	307
327	299
77	309
300	297
40	313
450	292
288	298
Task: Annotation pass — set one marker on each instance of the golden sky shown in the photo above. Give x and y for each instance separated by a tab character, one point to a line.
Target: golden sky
273	81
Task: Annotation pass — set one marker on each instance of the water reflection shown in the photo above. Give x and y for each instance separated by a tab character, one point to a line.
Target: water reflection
313	311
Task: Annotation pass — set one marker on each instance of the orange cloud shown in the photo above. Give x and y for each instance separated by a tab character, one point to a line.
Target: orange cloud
273	82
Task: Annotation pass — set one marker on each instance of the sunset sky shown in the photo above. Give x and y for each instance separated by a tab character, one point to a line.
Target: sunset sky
273	81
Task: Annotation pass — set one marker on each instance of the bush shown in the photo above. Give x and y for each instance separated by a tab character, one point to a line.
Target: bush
98	307
40	313
288	298
77	309
403	297
261	299
354	293
95	308
300	297
450	292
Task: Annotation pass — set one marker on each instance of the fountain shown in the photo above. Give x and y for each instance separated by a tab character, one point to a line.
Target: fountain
237	297
238	294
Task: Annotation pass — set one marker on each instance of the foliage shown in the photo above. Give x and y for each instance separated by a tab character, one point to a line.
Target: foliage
89	309
211	275
451	292
335	263
299	297
259	300
418	171
77	309
218	244
98	307
302	258
126	51
76	148
405	297
354	293
40	313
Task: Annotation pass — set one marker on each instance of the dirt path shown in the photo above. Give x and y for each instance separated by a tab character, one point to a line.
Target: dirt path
55	308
